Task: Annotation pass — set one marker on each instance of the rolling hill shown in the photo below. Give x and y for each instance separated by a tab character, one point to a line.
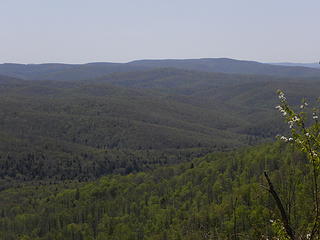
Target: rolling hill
68	72
127	122
219	195
110	152
226	65
309	65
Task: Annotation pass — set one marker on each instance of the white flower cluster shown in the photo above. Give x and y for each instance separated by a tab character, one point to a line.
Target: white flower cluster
285	139
281	96
303	105
314	116
280	109
292	121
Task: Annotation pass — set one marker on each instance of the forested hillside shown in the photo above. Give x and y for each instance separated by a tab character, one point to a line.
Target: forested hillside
219	196
147	153
129	122
159	120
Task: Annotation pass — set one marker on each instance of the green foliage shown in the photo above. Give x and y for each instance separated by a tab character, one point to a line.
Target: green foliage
279	230
58	137
219	196
307	139
52	130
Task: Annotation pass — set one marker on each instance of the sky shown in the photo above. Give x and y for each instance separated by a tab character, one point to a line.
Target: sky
81	31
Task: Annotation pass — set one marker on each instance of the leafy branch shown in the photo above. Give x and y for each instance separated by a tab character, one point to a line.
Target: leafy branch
307	139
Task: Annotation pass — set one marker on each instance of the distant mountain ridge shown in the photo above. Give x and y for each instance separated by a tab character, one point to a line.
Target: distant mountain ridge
58	71
71	72
227	65
309	65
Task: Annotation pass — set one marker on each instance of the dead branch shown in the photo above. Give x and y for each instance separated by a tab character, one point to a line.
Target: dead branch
284	216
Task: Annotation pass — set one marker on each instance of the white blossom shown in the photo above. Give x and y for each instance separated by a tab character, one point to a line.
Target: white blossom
292	121
290	124
314	116
281	96
280	109
295	119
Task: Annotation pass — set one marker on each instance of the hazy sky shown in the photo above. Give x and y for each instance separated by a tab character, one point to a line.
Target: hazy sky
78	31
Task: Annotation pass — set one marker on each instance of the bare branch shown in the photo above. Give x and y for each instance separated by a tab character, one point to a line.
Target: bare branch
284	216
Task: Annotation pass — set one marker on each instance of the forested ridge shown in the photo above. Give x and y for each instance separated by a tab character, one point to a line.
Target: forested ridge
150	150
56	71
129	122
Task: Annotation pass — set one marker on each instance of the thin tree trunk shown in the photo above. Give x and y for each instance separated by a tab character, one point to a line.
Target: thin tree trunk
284	216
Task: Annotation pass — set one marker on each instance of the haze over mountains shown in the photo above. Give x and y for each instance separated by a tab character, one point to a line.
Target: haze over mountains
67	72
